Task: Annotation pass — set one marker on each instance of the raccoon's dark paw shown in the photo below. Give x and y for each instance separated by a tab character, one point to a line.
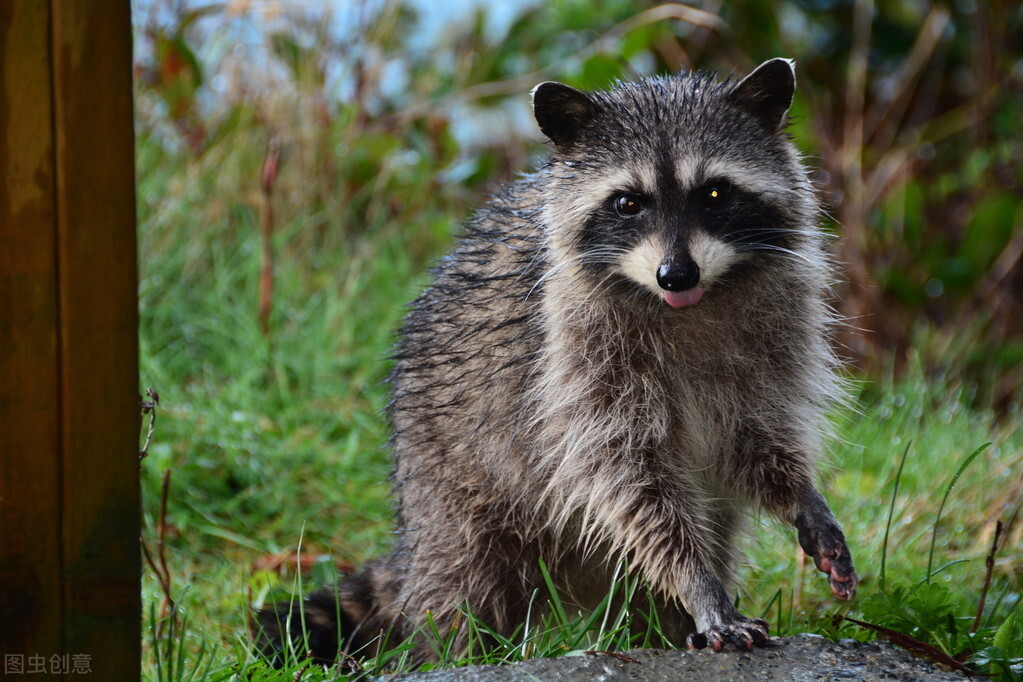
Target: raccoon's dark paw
826	544
743	635
837	563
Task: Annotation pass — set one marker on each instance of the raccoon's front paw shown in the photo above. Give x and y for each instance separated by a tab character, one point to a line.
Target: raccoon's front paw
826	544
743	635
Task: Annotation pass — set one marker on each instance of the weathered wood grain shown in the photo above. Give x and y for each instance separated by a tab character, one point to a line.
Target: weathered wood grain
69	418
30	586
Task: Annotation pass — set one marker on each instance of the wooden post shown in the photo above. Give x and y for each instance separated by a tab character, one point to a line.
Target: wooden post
69	412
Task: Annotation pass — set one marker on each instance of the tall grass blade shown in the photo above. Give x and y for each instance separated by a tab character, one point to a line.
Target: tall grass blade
156	641
654	621
608	600
941	507
927	578
180	665
891	512
998	605
556	604
776	599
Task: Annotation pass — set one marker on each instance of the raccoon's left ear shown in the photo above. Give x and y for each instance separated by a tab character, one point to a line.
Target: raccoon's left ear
562	112
767	92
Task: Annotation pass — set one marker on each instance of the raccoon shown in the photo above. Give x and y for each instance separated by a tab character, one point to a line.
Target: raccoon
626	352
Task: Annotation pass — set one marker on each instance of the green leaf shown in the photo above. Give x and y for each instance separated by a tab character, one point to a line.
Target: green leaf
932	604
1004	633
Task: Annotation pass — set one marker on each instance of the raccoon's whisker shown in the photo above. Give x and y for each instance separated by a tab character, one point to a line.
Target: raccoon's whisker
759	231
605	255
594	257
604	259
540	251
556	269
794	255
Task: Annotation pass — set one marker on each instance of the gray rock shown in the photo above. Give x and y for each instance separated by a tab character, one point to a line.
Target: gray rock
788	658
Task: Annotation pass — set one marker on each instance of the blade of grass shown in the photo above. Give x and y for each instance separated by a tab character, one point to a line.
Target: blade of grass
606	604
934	536
998	604
180	664
556	604
776	598
654	621
156	641
527	631
927	578
891	512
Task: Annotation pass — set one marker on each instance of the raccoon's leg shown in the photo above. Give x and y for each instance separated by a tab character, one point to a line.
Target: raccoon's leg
724	520
717	620
780	479
664	529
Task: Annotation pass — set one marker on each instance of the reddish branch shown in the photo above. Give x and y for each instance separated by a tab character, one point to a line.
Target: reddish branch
159	565
908	643
271	165
990	564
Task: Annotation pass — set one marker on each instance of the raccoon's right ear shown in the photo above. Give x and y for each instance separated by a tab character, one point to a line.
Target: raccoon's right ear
562	112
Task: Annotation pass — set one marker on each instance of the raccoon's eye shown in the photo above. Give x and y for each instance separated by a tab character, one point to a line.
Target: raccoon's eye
628	205
716	194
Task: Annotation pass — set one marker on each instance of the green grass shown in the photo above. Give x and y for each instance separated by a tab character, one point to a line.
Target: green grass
276	443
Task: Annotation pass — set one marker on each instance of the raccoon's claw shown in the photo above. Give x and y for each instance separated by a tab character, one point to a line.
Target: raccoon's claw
743	635
831	555
837	563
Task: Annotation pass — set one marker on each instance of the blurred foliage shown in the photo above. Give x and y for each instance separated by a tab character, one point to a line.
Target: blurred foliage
909	109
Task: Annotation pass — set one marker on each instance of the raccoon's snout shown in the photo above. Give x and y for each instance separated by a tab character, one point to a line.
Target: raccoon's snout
674	277
680	283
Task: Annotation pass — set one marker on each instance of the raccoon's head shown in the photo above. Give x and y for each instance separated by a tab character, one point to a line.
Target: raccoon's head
676	186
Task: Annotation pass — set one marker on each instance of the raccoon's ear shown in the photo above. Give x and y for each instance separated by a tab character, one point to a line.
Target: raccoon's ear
767	92
562	112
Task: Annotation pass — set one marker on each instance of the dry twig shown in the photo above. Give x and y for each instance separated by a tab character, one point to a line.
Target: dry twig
612	654
271	167
990	564
908	643
148	407
159	564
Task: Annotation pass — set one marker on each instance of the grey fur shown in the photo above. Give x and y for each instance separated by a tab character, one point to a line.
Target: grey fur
547	403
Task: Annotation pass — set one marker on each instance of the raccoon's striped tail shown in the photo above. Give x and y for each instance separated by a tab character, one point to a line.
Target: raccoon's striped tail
326	626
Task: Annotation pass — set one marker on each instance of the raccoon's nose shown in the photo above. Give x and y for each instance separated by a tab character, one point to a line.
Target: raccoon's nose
678	277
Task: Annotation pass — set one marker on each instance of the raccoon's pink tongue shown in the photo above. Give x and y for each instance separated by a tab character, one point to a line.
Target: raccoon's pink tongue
680	299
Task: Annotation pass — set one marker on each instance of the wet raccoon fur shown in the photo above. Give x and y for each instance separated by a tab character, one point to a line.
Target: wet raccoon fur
625	352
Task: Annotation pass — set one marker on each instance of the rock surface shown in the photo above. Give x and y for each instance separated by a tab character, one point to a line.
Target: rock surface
806	657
